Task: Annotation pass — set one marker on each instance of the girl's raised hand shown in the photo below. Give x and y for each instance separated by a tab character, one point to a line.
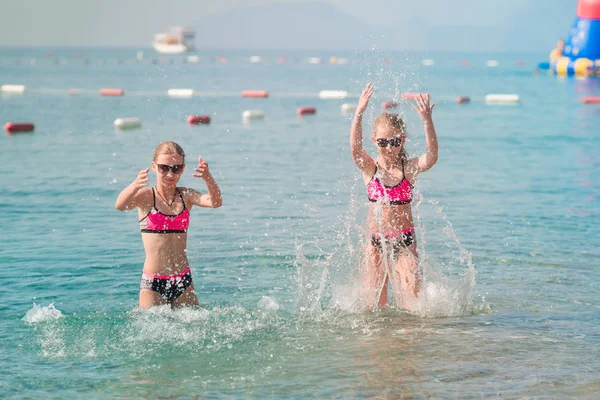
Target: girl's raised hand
363	102
201	169
141	181
423	106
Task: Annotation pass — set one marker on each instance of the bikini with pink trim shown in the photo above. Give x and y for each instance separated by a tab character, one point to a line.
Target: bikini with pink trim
158	222
396	237
401	193
170	287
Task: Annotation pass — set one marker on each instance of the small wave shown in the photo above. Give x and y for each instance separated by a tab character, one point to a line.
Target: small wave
268	303
39	314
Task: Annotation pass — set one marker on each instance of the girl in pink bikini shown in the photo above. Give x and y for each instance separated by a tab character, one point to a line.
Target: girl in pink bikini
392	255
164	217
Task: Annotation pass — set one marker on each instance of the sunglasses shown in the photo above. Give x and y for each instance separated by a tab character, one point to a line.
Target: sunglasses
176	169
396	142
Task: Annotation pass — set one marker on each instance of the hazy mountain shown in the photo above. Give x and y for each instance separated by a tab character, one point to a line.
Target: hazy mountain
320	25
309	25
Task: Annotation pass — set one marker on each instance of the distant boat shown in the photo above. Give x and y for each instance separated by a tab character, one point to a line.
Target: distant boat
177	41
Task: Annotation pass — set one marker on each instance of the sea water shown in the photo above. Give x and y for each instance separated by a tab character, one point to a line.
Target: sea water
507	227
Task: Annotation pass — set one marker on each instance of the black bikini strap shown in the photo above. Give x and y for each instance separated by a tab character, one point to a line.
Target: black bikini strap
375	172
181	197
153	199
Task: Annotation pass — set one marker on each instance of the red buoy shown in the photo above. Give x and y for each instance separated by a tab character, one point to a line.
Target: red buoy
14	127
464	63
463	99
389	104
198	119
306	111
591	100
111	92
255	93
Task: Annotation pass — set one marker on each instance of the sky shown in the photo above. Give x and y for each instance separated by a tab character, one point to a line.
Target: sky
454	25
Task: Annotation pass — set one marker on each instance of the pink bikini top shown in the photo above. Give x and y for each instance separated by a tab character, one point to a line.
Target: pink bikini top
157	222
400	193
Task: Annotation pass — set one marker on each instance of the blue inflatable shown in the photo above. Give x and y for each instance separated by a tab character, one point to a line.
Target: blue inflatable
580	54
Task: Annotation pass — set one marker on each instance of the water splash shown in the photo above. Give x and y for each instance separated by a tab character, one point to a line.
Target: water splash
39	314
330	279
139	333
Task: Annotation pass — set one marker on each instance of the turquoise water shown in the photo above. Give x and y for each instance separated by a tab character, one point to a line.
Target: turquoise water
508	232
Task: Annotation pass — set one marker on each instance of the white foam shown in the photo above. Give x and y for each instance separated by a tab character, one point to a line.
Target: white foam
268	303
39	314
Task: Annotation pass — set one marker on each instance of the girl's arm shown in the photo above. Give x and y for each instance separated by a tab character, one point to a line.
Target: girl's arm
430	157
213	198
131	196
359	155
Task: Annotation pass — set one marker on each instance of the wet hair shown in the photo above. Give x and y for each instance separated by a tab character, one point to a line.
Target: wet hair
169	148
394	121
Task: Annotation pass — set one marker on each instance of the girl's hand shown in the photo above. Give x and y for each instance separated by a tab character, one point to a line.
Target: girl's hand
141	181
201	169
423	106
363	102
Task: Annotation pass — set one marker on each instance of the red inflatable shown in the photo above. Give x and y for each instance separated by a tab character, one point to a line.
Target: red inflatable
306	111
198	119
14	127
255	93
112	92
588	9
591	100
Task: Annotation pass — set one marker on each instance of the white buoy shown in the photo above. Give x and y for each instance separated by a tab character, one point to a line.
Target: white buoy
180	92
348	108
492	63
428	62
249	115
140	55
12	88
192	59
502	98
333	94
255	59
127	123
313	60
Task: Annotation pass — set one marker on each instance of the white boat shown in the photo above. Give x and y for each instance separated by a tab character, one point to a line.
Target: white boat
177	41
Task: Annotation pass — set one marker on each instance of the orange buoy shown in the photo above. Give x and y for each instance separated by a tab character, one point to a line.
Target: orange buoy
591	100
464	63
306	111
111	92
389	104
14	127
463	99
73	92
255	93
198	119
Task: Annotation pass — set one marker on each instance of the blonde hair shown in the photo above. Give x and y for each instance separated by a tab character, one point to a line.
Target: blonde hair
169	148
393	121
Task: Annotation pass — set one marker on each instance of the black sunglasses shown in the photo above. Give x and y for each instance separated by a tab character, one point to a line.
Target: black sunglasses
393	142
176	169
